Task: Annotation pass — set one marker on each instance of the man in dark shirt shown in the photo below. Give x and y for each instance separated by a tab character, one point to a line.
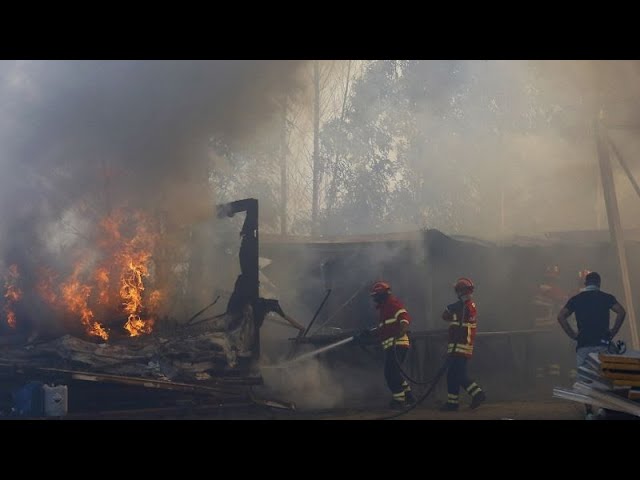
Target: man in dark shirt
591	307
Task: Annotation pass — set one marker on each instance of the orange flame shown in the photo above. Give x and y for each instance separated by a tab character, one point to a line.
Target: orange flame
13	294
136	326
131	289
76	297
102	280
126	242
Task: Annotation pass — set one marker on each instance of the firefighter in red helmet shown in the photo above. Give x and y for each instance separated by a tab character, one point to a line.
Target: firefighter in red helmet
461	316
549	298
392	329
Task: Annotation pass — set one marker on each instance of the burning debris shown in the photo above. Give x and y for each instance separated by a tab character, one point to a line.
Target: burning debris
105	285
118	288
216	347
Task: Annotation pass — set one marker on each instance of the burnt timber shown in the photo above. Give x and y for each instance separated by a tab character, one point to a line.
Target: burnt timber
215	358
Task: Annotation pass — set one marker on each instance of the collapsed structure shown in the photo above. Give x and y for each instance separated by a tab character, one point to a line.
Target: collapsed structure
214	356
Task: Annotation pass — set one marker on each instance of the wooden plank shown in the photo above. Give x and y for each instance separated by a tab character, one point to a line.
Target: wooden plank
626	383
136	381
629	367
629	357
634	394
617	375
615	225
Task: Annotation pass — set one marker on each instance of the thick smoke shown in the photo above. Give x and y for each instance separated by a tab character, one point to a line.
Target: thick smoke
80	139
509	150
489	148
144	125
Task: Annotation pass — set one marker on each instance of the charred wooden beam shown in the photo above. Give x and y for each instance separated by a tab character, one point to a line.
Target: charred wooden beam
246	290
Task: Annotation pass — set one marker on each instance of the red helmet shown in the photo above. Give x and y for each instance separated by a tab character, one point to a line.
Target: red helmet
464	285
380	287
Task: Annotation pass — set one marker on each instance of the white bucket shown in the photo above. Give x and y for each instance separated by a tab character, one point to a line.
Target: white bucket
55	400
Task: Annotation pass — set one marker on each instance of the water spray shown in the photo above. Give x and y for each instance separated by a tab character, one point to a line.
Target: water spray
311	354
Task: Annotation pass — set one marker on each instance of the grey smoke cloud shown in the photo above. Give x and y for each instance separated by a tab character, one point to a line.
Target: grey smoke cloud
78	138
70	128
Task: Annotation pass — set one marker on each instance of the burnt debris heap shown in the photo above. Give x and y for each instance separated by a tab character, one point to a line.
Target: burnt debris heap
215	351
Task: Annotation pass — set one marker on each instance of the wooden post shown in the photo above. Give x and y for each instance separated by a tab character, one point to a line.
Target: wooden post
283	170
316	148
615	225
625	167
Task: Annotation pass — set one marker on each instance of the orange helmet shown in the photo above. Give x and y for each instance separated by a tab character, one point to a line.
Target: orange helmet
380	287
464	285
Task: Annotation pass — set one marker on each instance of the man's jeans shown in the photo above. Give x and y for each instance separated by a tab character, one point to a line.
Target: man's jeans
581	357
583	352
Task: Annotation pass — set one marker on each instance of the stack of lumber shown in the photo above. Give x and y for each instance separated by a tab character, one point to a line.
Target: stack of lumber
622	370
607	381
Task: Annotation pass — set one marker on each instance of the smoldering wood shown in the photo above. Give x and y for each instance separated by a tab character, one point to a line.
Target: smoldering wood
214	348
213	357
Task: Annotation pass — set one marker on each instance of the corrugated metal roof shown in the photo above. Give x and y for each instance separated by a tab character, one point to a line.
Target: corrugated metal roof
579	238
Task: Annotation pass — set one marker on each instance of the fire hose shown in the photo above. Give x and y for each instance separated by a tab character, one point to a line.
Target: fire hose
434	381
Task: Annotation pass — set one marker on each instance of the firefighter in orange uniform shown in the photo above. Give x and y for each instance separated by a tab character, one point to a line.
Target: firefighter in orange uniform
549	298
462	331
393	325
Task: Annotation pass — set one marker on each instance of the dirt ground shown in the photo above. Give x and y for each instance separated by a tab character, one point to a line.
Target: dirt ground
514	410
521	410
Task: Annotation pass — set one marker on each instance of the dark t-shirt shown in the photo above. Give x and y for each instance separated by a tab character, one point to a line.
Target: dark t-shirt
592	314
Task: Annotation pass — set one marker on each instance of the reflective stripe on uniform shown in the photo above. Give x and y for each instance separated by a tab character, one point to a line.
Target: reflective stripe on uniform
473	389
389	321
459	348
398	396
389	342
402	310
